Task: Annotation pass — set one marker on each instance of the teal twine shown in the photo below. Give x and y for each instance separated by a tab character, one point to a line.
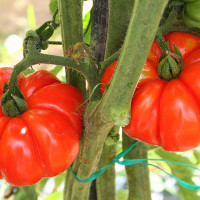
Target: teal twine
139	161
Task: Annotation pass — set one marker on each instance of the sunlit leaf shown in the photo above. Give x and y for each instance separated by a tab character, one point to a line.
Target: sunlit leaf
87	27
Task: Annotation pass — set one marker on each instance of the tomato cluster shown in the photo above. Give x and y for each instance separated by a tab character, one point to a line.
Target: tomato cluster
167	113
44	140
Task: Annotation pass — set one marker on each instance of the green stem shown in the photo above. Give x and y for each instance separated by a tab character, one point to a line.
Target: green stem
106	182
72	32
71	22
55	42
138	175
34	57
117	24
182	29
96	129
140	35
106	187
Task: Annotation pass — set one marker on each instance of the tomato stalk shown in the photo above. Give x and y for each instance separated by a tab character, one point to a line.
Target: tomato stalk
70	12
98	122
118	106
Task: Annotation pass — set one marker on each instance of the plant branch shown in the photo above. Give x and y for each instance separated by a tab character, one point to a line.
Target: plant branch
143	26
34	57
72	32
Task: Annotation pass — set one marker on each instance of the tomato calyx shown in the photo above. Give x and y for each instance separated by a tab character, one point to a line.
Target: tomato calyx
13	105
170	65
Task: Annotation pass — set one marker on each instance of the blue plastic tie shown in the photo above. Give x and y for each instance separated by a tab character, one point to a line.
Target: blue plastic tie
139	161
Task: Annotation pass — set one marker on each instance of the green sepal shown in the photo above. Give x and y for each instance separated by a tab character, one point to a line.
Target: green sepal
177	51
173	67
10	110
165	71
168	68
13	105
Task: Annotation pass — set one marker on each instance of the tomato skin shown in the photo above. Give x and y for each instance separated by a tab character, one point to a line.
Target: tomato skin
44	140
167	113
186	42
149	71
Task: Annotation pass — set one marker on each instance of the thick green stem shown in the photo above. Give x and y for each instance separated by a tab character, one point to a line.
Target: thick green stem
106	188
145	19
140	35
106	182
119	16
71	22
72	32
138	175
96	129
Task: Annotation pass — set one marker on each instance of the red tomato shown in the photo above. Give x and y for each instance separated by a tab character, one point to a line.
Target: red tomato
44	140
167	113
149	72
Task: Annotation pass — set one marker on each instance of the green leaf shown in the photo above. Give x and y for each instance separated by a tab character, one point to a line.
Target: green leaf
87	27
184	173
86	20
56	70
53	5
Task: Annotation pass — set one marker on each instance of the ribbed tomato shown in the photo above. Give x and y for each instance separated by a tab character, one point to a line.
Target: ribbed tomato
44	140
149	72
167	113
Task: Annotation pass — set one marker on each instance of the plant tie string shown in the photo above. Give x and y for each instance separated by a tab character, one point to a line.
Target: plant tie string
139	161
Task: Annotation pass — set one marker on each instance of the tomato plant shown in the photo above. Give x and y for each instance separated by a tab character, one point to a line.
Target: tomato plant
44	140
167	113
